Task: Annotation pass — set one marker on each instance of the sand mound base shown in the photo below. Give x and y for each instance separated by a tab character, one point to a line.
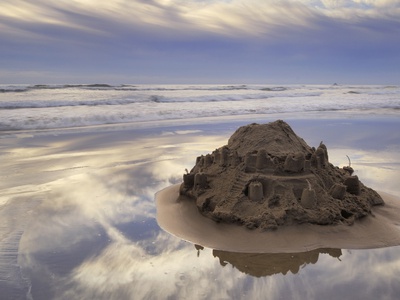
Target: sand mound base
179	216
268	177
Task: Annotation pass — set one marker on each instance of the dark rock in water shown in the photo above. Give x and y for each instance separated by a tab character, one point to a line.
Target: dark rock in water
267	176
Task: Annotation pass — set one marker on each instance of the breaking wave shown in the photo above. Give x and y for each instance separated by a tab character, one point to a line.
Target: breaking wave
64	106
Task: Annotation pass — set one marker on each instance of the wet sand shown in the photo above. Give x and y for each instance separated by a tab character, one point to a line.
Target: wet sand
180	216
78	216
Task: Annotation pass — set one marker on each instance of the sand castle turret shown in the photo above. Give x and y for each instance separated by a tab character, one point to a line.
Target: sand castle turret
338	191
267	176
224	158
352	185
256	192
208	160
308	197
264	162
235	159
200	181
321	156
295	162
188	180
250	162
217	156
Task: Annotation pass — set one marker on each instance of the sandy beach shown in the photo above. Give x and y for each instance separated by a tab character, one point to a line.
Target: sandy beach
78	215
107	107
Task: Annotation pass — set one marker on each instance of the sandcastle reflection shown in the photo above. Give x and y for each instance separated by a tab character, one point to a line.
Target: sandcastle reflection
267	264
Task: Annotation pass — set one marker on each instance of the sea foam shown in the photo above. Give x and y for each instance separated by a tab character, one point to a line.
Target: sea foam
65	106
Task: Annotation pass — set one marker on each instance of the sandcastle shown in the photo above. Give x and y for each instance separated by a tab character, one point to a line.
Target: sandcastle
267	176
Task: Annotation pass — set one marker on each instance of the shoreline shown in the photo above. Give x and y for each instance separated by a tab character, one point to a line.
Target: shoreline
240	119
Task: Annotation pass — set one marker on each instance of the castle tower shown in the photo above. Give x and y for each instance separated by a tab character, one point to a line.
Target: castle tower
352	185
294	163
308	198
256	192
200	180
224	159
250	162
208	160
338	191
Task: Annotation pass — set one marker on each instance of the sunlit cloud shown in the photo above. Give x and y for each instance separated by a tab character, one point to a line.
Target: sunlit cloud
140	274
233	18
160	39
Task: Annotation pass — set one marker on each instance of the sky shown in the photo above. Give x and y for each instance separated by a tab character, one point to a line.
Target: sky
200	41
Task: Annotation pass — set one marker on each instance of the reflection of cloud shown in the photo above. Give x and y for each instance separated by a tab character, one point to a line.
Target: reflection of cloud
124	271
117	186
87	201
188	151
360	276
82	217
350	278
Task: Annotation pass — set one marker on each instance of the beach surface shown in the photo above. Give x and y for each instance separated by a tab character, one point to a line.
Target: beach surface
180	216
78	215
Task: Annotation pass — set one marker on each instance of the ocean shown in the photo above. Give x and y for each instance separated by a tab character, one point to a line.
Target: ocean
27	107
81	164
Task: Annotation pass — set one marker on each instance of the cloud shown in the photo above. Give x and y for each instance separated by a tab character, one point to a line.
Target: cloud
168	39
232	18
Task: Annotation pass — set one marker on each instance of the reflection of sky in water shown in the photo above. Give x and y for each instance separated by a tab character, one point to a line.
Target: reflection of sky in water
82	209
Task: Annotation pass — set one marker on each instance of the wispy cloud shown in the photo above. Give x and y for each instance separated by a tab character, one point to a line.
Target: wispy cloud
141	33
233	18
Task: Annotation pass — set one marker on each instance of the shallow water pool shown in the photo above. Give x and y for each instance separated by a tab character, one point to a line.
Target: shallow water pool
77	218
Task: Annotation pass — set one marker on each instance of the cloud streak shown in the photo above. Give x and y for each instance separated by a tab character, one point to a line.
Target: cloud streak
195	34
220	17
